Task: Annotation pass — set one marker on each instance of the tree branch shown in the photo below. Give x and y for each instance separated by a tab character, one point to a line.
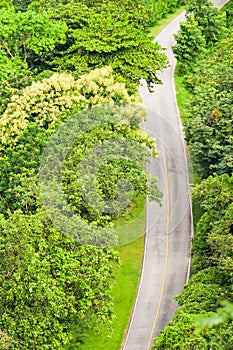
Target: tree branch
6	48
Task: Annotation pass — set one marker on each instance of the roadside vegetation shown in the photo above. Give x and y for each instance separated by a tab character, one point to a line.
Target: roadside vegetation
160	9
204	318
55	292
163	22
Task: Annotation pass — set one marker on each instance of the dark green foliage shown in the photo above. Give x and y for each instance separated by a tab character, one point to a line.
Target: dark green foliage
229	13
78	37
18	167
209	128
11	85
212	244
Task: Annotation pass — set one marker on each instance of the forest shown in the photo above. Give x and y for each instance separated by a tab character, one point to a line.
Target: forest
59	61
204	318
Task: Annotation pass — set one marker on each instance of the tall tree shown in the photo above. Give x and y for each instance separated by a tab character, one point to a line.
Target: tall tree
190	43
211	22
114	34
49	284
24	38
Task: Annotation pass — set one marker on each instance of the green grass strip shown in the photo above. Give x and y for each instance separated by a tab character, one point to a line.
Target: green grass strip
123	293
165	21
183	96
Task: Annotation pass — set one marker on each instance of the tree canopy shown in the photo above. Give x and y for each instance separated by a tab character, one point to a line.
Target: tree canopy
78	36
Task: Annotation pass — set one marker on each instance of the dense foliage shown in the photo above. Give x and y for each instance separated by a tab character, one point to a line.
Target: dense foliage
59	59
161	8
43	271
210	118
204	318
78	36
43	289
204	26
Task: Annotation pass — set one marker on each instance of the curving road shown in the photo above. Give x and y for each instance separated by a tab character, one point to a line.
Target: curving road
169	229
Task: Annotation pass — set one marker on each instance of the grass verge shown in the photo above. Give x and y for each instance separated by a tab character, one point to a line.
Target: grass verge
183	96
183	99
125	284
165	21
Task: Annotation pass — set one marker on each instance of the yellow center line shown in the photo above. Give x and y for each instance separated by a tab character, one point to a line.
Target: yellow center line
167	230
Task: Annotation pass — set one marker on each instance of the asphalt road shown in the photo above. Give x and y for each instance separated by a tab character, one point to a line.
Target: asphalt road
169	227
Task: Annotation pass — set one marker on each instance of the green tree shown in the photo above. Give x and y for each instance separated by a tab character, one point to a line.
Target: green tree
211	22
24	138
209	127
190	43
40	108
44	101
48	283
20	45
160	8
113	34
213	239
204	27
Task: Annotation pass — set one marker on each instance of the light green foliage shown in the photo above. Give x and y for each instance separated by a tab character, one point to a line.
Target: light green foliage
5	4
204	26
221	316
161	8
114	33
190	44
43	290
44	101
25	37
211	22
